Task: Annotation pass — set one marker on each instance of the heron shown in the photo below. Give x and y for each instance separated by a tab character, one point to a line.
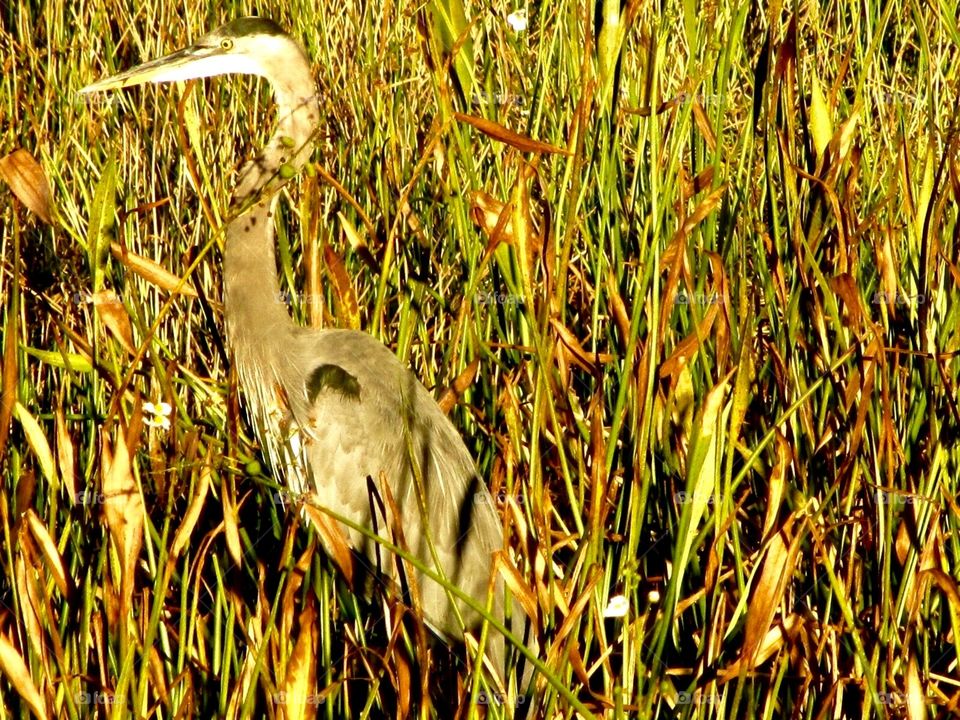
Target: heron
335	411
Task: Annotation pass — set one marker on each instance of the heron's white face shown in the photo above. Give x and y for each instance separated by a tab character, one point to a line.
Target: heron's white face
237	48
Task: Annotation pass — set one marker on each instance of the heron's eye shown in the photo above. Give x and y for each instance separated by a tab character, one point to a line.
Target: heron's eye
226	44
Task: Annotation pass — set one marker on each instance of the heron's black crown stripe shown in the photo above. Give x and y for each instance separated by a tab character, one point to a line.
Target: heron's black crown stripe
251	26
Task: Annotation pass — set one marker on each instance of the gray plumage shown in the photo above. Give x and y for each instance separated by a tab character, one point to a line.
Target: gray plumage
334	410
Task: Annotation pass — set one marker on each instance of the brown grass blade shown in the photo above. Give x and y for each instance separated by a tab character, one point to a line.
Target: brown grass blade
404	683
778	565
13	666
182	537
599	507
688	347
299	698
703	124
706	206
916	698
846	287
9	374
576	662
485	211
903	542
777	483
772	641
493	218
66	454
460	384
529	243
114	316
518	588
573	618
346	298
948	586
124	512
334	541
505	135
48	548
721	295
28	182
230	530
289	603
157	676
152	272
617	307
582	357
30	606
37	442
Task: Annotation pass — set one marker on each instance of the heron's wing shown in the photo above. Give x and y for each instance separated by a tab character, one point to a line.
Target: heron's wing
341	446
371	434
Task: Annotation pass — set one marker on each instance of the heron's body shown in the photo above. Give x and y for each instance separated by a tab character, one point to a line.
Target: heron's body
336	412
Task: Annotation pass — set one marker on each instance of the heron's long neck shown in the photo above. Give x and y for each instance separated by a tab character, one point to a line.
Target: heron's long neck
257	318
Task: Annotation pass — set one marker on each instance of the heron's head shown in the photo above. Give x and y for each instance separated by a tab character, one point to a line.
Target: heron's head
249	45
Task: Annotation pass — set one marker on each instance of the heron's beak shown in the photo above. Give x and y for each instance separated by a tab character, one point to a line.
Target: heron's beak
190	63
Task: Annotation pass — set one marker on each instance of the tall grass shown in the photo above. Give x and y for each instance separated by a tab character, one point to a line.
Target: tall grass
706	358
